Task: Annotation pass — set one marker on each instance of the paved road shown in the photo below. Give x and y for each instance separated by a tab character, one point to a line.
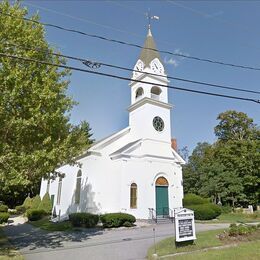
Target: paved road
97	244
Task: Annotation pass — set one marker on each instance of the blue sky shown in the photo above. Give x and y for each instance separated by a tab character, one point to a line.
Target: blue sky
220	30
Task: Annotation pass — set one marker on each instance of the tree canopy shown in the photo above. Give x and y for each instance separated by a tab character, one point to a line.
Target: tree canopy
227	170
35	129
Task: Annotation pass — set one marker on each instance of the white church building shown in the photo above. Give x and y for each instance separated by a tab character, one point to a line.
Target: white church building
135	170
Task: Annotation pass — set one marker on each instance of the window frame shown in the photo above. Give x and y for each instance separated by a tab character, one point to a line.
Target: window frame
133	196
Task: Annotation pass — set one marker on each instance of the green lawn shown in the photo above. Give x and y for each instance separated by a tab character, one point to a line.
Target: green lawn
7	252
244	251
234	218
209	239
50	226
239	217
204	240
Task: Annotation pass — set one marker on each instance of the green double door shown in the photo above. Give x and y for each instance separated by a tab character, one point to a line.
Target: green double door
162	202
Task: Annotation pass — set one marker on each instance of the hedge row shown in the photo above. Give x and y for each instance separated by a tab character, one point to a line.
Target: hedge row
35	214
87	220
108	220
117	220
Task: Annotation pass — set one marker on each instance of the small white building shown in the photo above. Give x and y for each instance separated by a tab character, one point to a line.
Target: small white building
135	170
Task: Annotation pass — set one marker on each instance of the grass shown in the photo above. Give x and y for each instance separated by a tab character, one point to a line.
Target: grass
239	217
234	218
7	251
244	251
50	226
209	239
204	240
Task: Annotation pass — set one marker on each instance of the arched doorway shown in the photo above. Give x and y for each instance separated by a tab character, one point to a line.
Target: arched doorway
161	193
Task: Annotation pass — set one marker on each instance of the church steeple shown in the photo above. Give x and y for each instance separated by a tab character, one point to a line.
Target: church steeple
149	51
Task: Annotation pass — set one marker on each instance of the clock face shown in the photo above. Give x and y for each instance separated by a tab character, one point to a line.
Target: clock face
157	67
138	67
158	124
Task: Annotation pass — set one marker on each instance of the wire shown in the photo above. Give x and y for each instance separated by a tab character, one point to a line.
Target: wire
97	64
128	79
132	44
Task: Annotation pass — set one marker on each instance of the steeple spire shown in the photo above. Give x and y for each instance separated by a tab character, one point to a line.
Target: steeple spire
149	51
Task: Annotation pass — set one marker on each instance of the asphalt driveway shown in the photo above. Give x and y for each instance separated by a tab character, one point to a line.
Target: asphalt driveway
97	244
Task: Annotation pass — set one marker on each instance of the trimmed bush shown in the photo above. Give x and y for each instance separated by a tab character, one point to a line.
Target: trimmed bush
83	219
116	219
205	211
193	199
4	216
35	214
20	209
36	202
46	204
3	208
128	224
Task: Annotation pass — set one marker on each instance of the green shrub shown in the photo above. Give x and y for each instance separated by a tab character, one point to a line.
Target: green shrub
35	214
205	211
4	217
3	208
241	230
46	204
116	219
225	209
27	203
128	224
20	209
83	219
233	230
193	199
36	202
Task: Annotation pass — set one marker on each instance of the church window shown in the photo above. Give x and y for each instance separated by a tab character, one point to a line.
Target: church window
59	191
133	196
161	181
158	124
155	92
139	93
78	187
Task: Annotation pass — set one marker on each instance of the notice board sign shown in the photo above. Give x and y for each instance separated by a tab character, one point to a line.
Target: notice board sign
184	225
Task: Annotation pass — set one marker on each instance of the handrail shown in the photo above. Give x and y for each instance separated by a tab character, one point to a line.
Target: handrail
152	214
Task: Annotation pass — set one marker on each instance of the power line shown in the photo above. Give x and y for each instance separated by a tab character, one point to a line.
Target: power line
128	79
97	64
133	44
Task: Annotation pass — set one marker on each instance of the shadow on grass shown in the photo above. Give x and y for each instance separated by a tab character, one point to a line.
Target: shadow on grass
26	237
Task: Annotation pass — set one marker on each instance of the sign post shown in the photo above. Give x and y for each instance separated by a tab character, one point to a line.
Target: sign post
184	225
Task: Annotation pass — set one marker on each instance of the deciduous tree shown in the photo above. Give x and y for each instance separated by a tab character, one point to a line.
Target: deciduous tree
36	135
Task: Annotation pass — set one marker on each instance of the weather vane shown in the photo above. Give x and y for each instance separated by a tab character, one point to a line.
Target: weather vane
150	17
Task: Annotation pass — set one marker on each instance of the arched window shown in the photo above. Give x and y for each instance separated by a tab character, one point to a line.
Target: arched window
139	92
156	91
133	196
161	181
78	187
59	191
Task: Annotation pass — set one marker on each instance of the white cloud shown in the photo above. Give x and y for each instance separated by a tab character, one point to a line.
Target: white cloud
175	62
171	61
